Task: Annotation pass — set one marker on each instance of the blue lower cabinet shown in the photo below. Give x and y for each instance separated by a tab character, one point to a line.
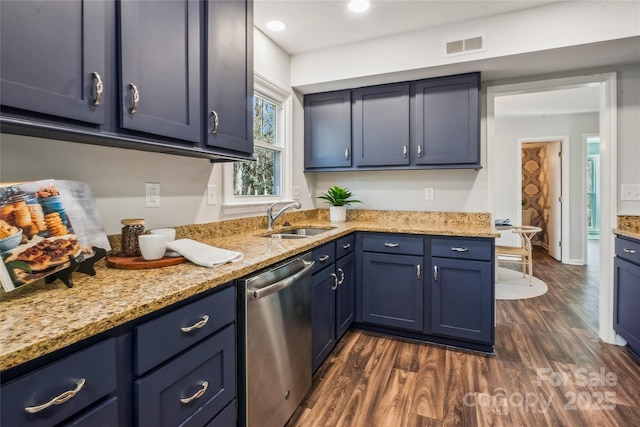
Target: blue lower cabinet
393	290
192	388
626	321
345	294
104	415
226	418
462	299
323	315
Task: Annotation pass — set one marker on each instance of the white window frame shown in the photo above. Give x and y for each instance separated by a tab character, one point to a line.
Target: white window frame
282	99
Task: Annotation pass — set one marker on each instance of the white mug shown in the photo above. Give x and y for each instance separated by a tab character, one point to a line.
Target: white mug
152	246
169	233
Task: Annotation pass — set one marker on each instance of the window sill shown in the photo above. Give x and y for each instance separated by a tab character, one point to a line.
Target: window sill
234	209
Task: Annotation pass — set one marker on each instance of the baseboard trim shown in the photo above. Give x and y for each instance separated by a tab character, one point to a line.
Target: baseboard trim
576	262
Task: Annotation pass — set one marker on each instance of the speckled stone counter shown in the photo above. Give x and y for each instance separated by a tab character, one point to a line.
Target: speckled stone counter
40	318
629	226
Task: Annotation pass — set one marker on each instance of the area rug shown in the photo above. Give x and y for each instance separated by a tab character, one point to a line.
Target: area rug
510	285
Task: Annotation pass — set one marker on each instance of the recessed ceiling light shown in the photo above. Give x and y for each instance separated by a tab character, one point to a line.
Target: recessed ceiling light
358	5
276	25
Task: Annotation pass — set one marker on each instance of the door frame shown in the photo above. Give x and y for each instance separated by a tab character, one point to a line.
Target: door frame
564	188
608	121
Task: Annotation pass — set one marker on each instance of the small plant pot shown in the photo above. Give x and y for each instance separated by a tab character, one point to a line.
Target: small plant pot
337	213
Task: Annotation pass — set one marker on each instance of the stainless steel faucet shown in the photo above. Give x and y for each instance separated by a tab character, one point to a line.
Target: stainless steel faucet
271	218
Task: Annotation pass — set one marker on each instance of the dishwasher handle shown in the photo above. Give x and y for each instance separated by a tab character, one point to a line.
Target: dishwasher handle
282	284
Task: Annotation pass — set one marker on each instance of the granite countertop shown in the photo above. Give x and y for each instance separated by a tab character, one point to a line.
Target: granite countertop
628	226
41	318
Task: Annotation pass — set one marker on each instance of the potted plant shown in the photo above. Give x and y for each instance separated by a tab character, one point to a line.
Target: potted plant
338	198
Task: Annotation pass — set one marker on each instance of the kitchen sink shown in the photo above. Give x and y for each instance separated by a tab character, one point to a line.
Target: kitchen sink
298	233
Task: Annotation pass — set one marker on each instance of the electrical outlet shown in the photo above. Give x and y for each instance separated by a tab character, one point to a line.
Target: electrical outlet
212	195
429	193
296	193
152	194
630	192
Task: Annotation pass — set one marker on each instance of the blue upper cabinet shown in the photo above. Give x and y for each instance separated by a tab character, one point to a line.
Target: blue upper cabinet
229	74
327	130
446	129
160	68
53	58
381	125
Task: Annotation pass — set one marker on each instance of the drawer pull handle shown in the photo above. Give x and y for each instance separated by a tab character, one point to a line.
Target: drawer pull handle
198	325
347	246
341	280
335	282
323	258
197	395
392	245
435	273
419	150
346	154
418	271
629	251
216	122
135	97
98	87
59	399
456	249
404	151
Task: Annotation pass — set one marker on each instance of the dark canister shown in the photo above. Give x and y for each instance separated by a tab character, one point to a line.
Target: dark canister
131	229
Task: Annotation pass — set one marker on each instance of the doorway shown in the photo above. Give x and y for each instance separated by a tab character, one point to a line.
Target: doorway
606	84
541	192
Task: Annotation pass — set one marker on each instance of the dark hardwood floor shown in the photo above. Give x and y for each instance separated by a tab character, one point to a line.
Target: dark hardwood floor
550	369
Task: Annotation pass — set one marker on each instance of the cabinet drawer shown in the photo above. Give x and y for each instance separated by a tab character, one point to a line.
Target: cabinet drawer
628	249
393	244
170	396
323	256
345	245
462	249
95	365
105	415
226	418
164	337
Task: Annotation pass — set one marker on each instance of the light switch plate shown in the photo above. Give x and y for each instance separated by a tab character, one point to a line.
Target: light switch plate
152	194
212	195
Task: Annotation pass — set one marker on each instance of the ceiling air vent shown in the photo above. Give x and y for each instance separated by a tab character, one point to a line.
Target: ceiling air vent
460	47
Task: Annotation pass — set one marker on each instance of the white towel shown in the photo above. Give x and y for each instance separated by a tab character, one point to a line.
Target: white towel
203	254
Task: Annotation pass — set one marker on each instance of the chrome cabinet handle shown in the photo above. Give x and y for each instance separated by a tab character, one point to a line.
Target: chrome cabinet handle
404	151
435	273
457	249
418	272
198	325
341	281
135	97
347	246
392	245
58	399
198	394
98	87
629	251
419	150
323	258
216	122
335	282
346	154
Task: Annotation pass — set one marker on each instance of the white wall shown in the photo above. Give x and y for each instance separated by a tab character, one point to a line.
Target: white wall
628	135
117	176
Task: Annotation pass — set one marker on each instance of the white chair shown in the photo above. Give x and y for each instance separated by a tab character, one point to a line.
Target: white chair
522	254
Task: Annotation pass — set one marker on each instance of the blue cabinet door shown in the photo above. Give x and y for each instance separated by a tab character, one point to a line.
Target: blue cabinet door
392	290
345	294
160	71
323	315
381	125
462	299
50	51
327	130
446	121
626	320
230	75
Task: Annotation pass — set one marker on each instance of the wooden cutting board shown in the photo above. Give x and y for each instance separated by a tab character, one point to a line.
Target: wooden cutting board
139	263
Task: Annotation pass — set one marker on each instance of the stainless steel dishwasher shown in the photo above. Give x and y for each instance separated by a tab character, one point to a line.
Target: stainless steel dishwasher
276	304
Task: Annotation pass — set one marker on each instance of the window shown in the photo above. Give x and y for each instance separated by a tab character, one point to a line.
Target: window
268	178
